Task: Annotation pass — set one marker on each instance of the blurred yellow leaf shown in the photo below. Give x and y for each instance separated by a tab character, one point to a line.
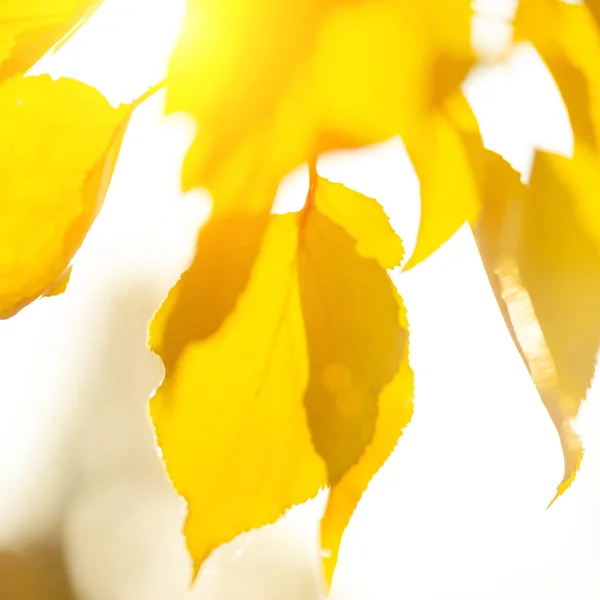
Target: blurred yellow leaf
29	28
60	141
448	171
568	40
285	343
318	327
271	85
544	266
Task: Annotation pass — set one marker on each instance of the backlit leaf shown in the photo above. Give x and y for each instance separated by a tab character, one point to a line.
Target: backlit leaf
444	152
363	219
545	270
318	331
395	412
355	342
60	140
29	28
230	418
206	293
374	239
568	40
271	85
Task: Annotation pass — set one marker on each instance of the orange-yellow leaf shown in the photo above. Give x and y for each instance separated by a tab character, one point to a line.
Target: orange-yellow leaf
230	416
29	28
544	266
59	145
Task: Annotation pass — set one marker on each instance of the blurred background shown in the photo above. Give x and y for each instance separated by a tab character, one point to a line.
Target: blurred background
86	510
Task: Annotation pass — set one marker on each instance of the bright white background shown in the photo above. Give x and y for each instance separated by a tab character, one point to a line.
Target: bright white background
459	509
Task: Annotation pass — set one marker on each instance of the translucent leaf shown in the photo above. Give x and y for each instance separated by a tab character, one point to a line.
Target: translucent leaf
568	40
395	412
355	343
363	219
206	293
271	85
375	239
230	415
545	270
448	170
29	28
60	140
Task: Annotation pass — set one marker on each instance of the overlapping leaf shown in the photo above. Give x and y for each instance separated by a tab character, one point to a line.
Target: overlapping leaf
318	332
544	265
367	224
60	140
29	28
272	84
289	372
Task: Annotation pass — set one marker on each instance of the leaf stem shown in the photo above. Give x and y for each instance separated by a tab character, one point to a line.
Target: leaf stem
313	178
149	93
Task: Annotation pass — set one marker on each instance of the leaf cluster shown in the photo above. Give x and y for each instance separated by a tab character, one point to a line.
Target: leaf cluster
285	343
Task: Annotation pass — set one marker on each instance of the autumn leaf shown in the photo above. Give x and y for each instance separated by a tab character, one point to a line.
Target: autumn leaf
568	40
271	85
304	339
594	8
28	29
444	152
544	266
60	141
365	221
355	342
209	288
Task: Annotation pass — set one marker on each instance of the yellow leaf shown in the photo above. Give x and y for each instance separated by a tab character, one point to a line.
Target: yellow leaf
29	28
272	84
206	293
446	162
374	240
568	40
231	416
59	145
355	342
594	8
545	271
232	64
363	219
395	412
